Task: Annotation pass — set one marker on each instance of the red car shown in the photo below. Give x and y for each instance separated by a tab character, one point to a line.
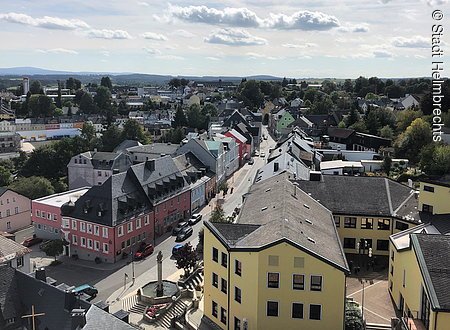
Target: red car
30	241
143	251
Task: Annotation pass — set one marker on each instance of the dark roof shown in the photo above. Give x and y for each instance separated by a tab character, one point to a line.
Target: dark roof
435	267
9	298
342	133
3	190
436	182
353	195
440	221
271	214
99	319
126	144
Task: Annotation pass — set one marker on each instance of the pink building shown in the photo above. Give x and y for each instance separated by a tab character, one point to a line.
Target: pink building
244	148
15	210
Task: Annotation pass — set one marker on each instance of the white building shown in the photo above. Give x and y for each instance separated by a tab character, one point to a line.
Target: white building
14	254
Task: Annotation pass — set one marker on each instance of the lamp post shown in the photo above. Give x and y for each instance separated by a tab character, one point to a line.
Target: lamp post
132	267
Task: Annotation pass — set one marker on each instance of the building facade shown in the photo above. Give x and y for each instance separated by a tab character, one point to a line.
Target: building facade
15	211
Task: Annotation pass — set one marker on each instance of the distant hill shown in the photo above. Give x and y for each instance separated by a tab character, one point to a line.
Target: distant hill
119	78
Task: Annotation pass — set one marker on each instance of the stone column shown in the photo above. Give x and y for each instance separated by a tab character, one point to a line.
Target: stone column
159	286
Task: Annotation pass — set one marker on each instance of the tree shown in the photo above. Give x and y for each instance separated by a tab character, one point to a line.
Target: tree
58	101
250	93
87	104
387	164
73	84
218	214
186	259
342	124
322	105
35	87
111	138
123	108
132	130
5	176
353	317
359	126
372	123
103	99
179	119
405	118
32	187
41	106
88	131
284	83
435	159
352	117
175	83
386	132
54	248
348	86
208	111
106	82
413	139
195	119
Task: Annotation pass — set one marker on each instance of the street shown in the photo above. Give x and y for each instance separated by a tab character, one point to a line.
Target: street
111	281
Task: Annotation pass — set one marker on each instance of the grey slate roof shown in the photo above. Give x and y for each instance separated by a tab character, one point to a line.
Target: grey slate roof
98	319
10	249
126	144
9	299
435	267
371	196
271	213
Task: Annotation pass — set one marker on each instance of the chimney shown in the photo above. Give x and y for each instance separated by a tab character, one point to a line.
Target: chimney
40	274
69	300
102	305
78	317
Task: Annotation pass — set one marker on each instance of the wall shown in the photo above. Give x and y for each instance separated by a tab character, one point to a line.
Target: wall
19	208
169	212
439	199
45	227
26	268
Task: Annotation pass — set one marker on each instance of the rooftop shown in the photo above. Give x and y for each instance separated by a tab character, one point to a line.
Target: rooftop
59	199
10	249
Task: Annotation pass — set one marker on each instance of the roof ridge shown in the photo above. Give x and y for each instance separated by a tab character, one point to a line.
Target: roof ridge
388	192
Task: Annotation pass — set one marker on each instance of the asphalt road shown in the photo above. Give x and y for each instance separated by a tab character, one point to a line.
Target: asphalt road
110	281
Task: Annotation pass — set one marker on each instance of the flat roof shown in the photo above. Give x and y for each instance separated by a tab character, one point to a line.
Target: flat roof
332	164
59	199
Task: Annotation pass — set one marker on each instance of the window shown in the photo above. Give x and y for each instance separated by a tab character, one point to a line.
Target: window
367	243
19	262
74	224
83	227
215	280
273	260
224	259
337	221
130	227
8	212
392	255
146	220
315	312
401	226
38	213
99	173
237	323
14	199
237	294
105	232
316	283
297	310
55	217
238	267
138	223
8	225
105	247
349	222
214	309
120	231
349	243
383	245
366	223
65	223
215	254
223	286
427	208
298	282
89	228
83	241
384	224
96	245
16	210
223	315
74	240
428	188
97	230
7	201
272	308
392	269
273	280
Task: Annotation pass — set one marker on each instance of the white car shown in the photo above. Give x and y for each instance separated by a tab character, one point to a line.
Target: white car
263	154
196	217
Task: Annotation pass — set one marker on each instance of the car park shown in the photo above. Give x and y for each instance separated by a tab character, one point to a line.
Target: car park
184	233
180	226
196	217
143	251
30	241
86	289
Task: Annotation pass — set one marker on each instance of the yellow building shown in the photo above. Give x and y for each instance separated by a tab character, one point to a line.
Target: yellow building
419	277
280	267
434	197
367	210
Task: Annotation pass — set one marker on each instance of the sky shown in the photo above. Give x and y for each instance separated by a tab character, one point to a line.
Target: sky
292	38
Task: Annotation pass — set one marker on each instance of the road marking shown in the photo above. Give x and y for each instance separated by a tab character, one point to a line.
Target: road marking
364	288
368	310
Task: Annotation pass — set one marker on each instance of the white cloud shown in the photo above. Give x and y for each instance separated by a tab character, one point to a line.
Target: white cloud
302	46
234	37
183	33
47	22
243	17
436	2
170	57
108	34
357	28
152	51
143	3
413	42
106	53
58	51
154	36
212	58
382	53
258	55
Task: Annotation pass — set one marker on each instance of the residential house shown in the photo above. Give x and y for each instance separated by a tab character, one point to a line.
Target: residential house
92	168
434	197
285	162
238	121
14	255
142	153
277	267
7	126
231	150
243	146
367	210
348	139
407	102
15	210
285	118
46	213
9	142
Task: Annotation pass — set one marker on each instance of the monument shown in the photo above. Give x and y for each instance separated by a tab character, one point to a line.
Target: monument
159	286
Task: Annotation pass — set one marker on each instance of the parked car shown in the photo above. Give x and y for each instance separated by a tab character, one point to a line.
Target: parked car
263	154
251	161
184	233
176	249
143	251
180	226
30	241
87	289
196	217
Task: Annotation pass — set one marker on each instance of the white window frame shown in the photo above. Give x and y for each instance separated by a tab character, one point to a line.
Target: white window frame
96	245
138	223
267	280
66	223
106	251
105	232
120	231
90	243
82	226
74	240
303	314
20	262
96	230
74	224
16	210
130	227
83	239
89	228
321	283
146	220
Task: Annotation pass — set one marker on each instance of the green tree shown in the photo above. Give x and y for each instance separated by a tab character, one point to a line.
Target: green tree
32	187
88	131
179	119
132	130
103	99
372	123
175	83
73	84
35	87
387	132
123	108
195	118
250	93
106	82
342	124
409	143
352	117
177	135
5	176
359	126
111	138
186	259
328	86
284	83
387	165
87	104
41	106
322	105
405	118
54	248
218	214
348	85
435	159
